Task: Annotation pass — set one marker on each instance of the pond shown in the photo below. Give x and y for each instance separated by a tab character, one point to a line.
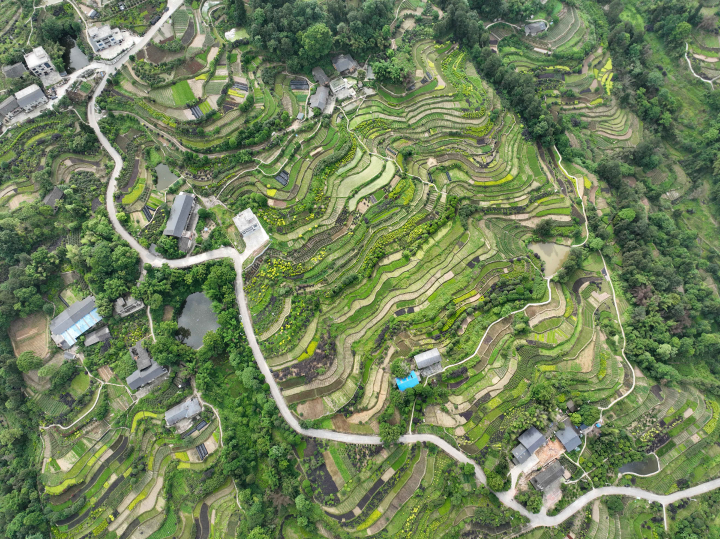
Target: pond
198	317
73	57
165	177
553	254
642	467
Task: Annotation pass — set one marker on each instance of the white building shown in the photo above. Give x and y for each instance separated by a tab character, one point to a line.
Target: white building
104	37
38	61
338	85
30	97
246	222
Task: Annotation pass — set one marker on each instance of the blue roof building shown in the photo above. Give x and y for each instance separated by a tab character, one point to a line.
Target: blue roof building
409	381
73	322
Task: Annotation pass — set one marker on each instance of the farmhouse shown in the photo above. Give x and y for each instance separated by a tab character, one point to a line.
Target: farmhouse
320	76
341	89
184	410
99	335
104	37
246	222
551	473
53	197
9	108
344	64
319	99
409	381
30	97
568	437
530	441
14	71
125	307
534	28
39	63
73	322
179	215
140	378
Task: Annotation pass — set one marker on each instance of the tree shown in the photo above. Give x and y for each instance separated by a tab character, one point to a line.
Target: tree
390	434
28	361
317	41
610	171
544	228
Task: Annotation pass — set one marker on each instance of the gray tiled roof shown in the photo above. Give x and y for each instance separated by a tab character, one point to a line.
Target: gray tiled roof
532	439
320	76
568	437
319	98
95	337
520	453
28	96
548	476
8	105
140	378
183	410
141	356
53	196
14	71
344	62
72	315
179	213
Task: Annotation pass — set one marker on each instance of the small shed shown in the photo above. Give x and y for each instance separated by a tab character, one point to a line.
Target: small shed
570	405
53	197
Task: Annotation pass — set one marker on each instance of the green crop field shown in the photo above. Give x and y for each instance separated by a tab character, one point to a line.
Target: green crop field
182	93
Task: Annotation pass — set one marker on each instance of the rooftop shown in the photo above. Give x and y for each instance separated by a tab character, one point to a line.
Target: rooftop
36	57
319	98
141	356
568	437
74	321
551	473
100	335
186	409
14	71
409	381
427	358
29	95
8	105
140	378
246	222
179	214
53	196
320	76
344	62
531	439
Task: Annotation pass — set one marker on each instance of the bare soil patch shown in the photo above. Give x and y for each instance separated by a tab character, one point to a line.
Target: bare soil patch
18	199
312	409
30	333
168	313
155	55
106	373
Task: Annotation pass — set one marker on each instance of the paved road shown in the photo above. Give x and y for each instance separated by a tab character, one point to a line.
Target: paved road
239	258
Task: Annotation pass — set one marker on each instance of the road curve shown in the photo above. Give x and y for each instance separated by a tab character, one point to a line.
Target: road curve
239	258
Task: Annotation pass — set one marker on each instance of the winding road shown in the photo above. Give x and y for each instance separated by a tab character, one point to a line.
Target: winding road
506	498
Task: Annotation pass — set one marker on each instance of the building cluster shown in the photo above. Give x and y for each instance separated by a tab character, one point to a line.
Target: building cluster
338	87
532	440
23	101
427	363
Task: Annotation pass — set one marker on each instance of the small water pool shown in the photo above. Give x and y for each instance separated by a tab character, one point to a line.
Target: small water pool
165	177
554	255
198	317
641	467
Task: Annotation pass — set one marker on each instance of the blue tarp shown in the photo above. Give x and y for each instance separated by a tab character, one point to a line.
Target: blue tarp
406	383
